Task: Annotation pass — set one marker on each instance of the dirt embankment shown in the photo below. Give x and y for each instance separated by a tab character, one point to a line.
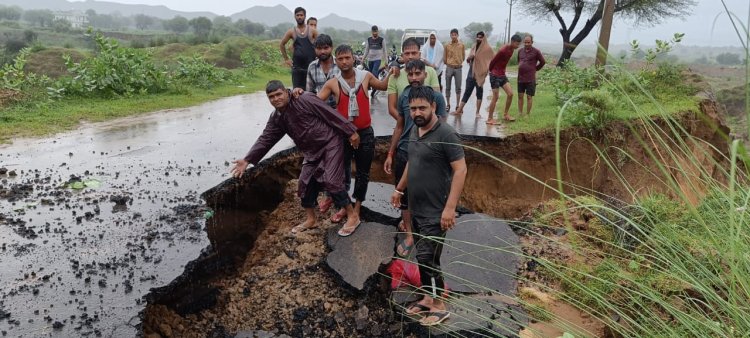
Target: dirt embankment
260	278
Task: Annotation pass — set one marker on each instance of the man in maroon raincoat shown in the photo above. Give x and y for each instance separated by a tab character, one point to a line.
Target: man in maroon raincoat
318	131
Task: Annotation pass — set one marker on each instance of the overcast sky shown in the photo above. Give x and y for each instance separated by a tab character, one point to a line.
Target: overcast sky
448	14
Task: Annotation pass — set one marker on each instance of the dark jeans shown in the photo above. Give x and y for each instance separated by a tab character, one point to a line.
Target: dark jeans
299	77
428	254
471	83
310	200
362	157
374	67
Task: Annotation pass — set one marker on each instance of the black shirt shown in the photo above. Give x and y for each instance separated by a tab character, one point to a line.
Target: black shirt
430	173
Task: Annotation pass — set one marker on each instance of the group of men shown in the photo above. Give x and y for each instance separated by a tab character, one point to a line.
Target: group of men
327	115
483	61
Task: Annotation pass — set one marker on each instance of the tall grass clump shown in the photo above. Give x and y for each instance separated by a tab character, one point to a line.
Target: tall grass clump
668	260
665	258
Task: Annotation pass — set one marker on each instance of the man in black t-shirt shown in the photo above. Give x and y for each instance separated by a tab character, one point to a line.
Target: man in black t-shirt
435	175
303	49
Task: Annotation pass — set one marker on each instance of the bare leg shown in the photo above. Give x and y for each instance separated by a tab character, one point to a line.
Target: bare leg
458	96
529	103
308	223
508	101
408	235
520	103
479	107
493	105
460	109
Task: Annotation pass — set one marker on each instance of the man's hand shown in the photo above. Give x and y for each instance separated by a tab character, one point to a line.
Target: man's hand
296	92
239	168
395	71
448	219
387	165
396	199
288	63
354	140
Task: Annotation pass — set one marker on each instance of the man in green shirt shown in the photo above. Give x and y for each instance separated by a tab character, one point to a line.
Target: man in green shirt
397	82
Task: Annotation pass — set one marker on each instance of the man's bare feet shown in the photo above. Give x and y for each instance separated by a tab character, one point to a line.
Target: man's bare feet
423	306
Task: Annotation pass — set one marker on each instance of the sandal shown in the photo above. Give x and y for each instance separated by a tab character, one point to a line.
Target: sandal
403	250
440	315
338	216
325	205
300	228
344	233
420	309
509	118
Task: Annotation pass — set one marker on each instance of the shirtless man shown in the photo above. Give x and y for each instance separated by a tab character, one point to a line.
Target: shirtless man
303	48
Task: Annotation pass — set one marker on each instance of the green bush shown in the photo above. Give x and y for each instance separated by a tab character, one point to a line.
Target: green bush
569	80
195	71
592	109
114	71
260	56
13	76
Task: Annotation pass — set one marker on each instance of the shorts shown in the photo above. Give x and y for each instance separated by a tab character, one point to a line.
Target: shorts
527	87
399	165
497	81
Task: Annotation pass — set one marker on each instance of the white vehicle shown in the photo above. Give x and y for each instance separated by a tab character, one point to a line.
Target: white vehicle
422	35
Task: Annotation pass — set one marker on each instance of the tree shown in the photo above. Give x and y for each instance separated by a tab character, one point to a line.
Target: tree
201	26
473	28
728	59
178	24
641	12
61	25
278	31
12	13
250	28
40	17
143	21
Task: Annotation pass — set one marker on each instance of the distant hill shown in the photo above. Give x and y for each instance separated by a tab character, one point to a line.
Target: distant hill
269	16
335	21
105	7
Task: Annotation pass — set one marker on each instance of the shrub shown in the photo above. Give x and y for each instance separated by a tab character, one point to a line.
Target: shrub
592	109
13	76
195	71
114	71
259	56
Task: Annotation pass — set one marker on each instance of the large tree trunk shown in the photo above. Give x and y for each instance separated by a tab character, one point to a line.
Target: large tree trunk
567	51
570	45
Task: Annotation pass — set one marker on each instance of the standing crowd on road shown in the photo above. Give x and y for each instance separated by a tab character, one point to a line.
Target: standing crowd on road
327	114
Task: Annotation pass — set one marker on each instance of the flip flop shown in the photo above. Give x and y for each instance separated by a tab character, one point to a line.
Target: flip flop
300	228
420	309
345	234
338	216
325	205
441	316
509	118
403	250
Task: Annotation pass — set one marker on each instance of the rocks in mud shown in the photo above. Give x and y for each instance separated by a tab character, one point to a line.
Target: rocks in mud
358	257
467	264
3	170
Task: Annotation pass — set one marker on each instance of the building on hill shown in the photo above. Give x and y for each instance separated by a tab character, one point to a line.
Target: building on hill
76	19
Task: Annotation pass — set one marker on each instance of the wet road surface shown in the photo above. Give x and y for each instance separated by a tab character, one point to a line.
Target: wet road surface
77	262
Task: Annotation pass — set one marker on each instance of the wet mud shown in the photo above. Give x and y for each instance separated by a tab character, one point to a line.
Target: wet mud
279	284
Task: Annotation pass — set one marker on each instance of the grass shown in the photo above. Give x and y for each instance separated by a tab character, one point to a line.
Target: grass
544	113
38	119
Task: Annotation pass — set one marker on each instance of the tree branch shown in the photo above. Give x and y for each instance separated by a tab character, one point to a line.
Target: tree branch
578	9
562	21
